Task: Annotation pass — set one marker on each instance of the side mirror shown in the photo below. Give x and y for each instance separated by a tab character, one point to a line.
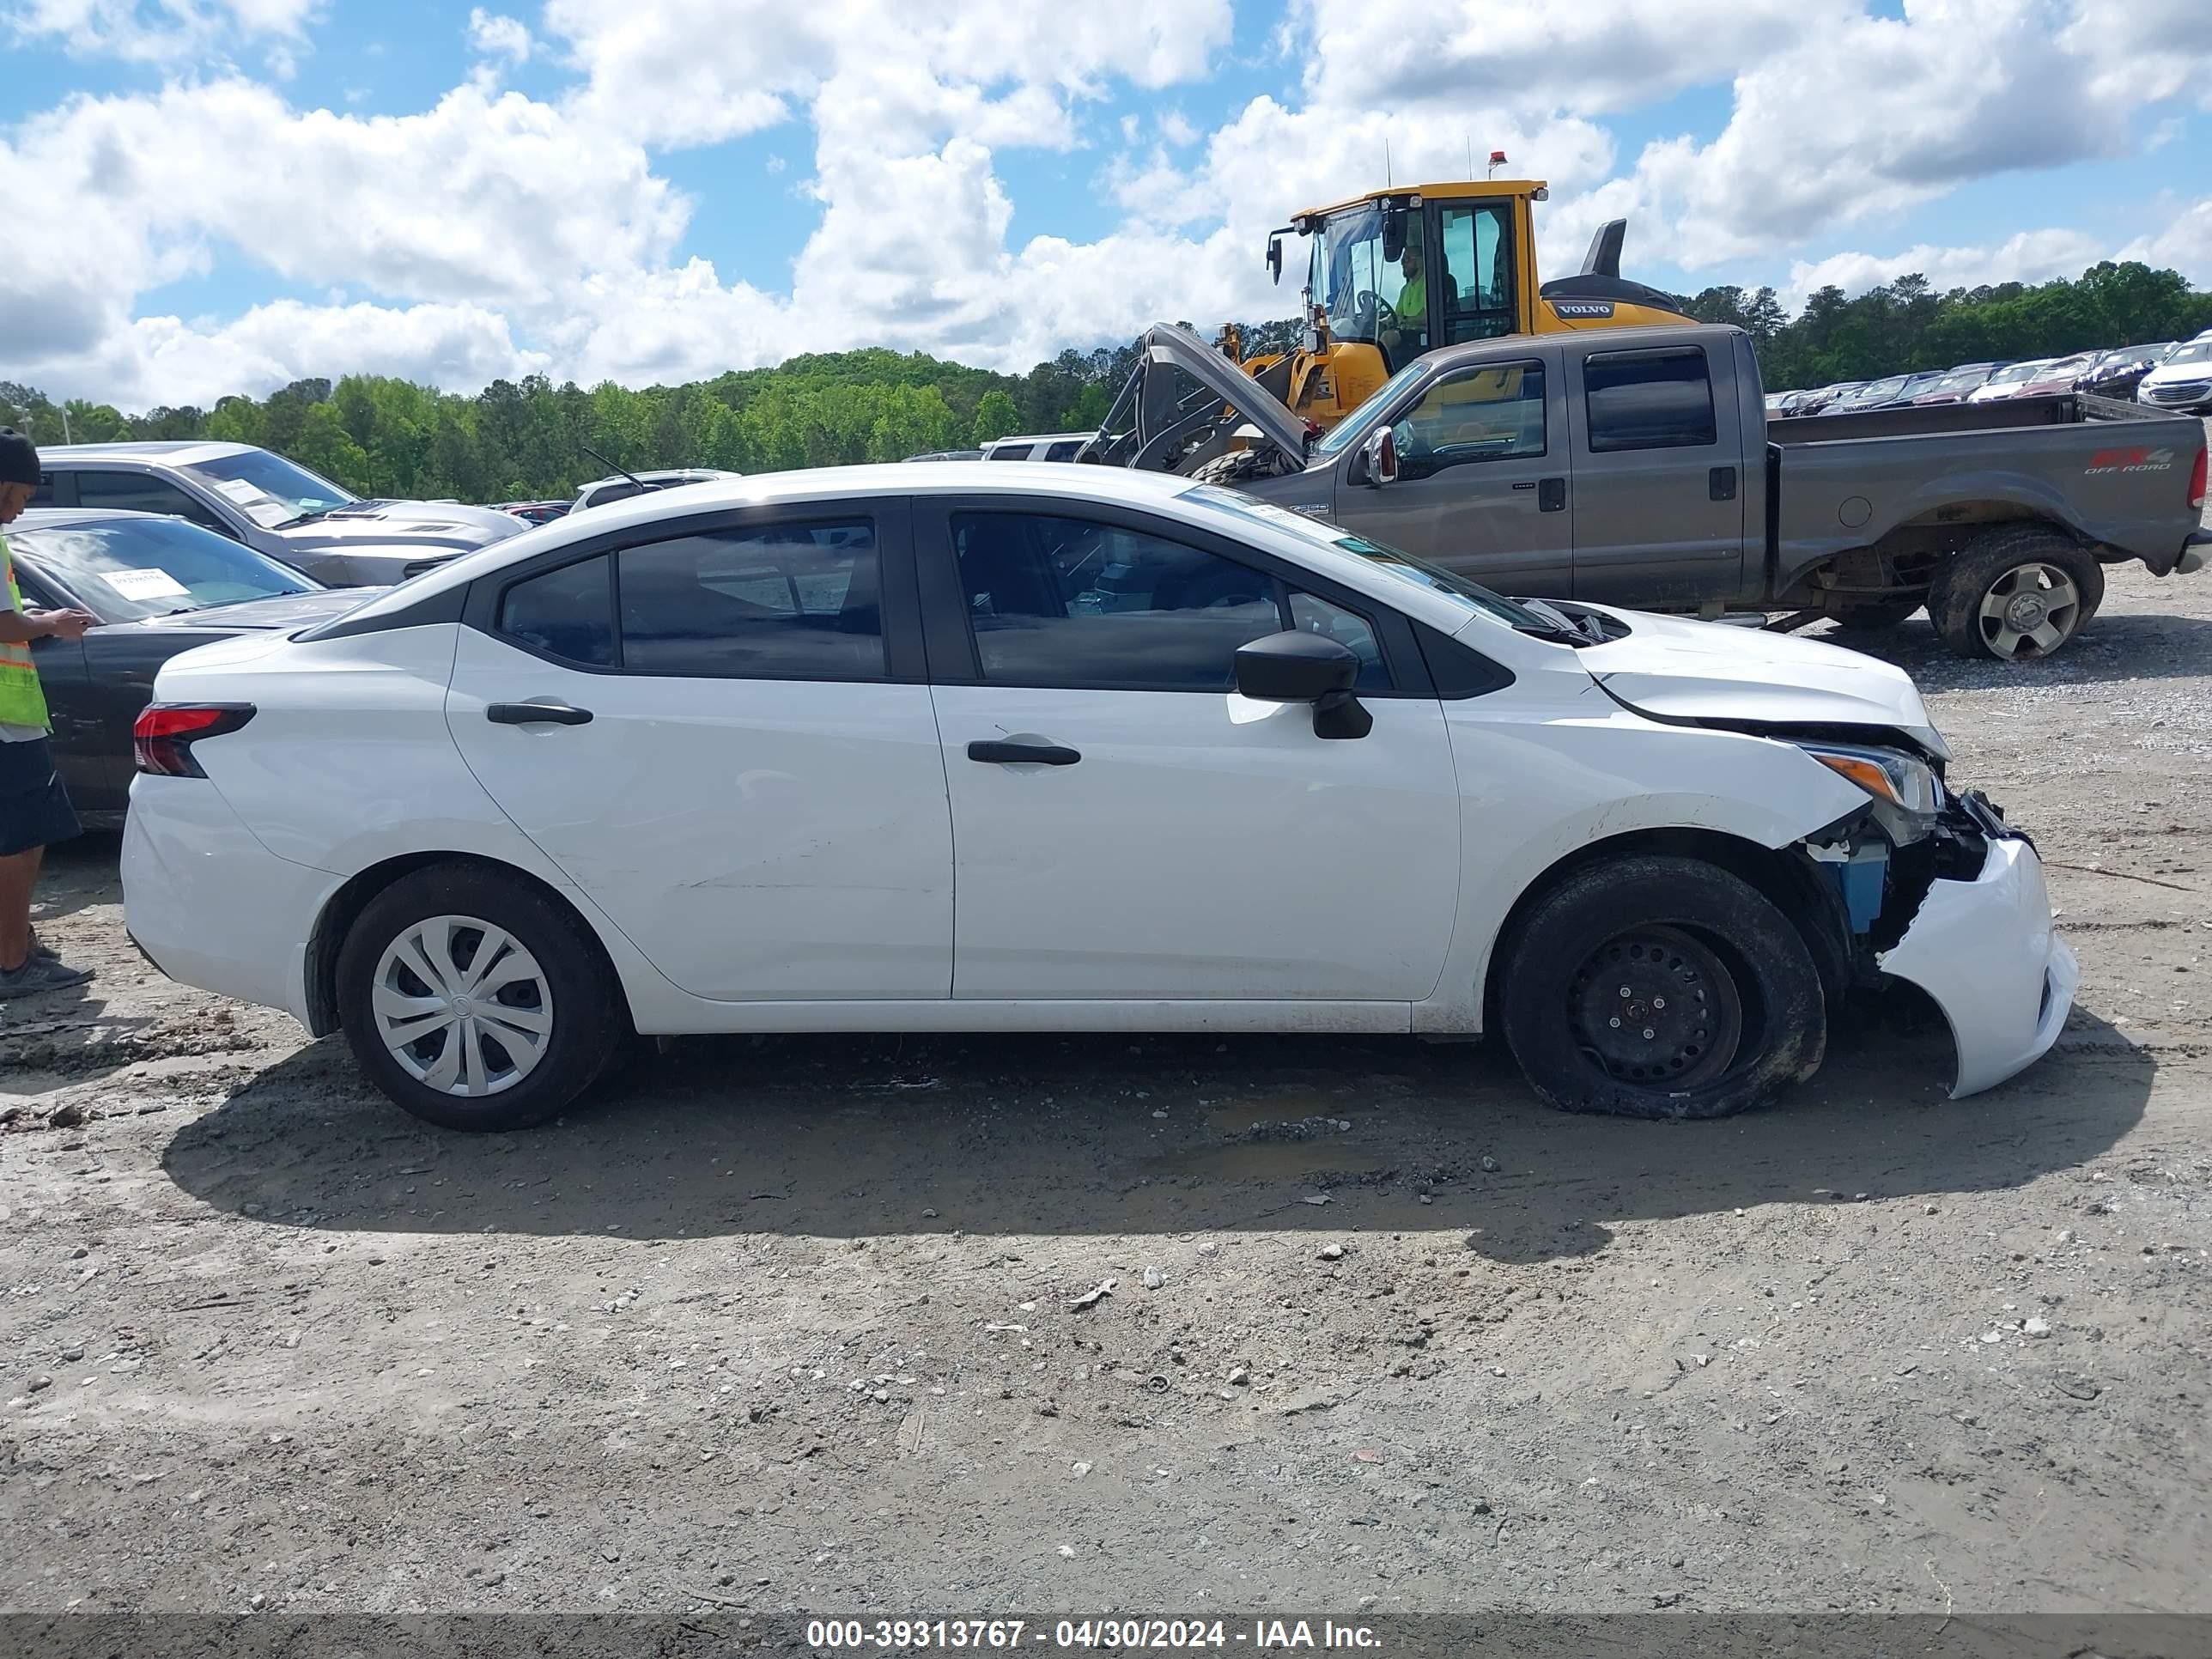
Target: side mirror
1393	234
1275	258
1311	668
1379	456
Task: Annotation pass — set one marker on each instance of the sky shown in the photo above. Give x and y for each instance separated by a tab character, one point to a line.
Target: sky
206	197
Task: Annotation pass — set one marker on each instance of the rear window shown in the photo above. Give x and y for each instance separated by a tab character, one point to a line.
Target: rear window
1660	399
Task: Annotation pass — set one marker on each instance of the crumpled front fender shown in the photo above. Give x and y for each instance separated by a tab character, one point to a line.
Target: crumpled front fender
1987	952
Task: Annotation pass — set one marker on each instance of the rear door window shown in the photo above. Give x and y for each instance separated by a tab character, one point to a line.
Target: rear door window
792	602
1653	399
142	492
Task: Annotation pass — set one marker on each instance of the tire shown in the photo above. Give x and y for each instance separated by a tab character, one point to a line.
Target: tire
549	1027
2005	578
1235	466
1751	1017
1868	615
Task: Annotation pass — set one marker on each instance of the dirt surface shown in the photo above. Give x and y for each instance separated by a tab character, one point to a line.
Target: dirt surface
814	1325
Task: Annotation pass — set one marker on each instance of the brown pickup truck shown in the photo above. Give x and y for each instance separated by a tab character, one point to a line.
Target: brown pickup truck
1637	467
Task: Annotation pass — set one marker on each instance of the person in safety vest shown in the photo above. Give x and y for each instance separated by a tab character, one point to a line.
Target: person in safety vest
34	808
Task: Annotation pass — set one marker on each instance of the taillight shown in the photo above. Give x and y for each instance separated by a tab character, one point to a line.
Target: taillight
2196	482
162	739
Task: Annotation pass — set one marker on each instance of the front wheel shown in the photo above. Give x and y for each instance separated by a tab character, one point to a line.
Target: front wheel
1661	988
474	1001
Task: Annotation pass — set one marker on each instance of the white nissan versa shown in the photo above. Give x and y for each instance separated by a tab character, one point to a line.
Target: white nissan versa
985	748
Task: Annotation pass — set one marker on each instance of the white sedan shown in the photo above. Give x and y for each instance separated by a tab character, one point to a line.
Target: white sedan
974	748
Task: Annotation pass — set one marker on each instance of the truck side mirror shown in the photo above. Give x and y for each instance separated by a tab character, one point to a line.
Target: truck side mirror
1275	260
1379	458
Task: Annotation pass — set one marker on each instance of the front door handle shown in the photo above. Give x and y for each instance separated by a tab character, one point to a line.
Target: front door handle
1037	754
534	713
1551	495
1720	483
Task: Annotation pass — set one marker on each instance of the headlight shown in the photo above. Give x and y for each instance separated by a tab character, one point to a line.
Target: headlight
1906	792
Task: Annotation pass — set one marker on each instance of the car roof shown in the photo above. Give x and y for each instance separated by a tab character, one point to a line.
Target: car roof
1074	485
179	451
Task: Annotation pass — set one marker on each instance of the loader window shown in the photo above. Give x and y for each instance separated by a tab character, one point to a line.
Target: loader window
1476	278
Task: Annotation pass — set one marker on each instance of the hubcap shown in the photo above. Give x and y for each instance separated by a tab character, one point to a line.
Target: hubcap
462	1007
1655	1006
2030	610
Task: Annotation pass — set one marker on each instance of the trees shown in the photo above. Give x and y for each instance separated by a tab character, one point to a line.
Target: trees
387	437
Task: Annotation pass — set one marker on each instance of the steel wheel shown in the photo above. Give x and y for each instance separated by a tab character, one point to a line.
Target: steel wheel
2029	611
461	1006
1656	1007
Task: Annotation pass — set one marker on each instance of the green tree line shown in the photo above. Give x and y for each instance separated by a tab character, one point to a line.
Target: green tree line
526	439
1906	325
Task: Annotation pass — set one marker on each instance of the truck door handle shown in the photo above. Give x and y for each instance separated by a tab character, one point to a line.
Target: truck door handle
1551	495
1037	754
1720	483
534	713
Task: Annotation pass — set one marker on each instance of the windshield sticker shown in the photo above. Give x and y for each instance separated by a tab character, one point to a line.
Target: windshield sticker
145	584
268	513
238	490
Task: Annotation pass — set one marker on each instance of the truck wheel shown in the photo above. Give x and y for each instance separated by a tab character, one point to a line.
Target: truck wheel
1660	988
474	1001
1235	466
2015	593
1866	616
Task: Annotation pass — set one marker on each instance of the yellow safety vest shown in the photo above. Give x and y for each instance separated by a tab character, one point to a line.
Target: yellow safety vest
21	701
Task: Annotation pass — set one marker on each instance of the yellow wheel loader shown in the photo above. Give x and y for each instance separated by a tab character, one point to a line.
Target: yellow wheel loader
1398	272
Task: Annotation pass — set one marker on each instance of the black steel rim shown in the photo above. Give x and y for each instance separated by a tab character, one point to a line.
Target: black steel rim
1656	1007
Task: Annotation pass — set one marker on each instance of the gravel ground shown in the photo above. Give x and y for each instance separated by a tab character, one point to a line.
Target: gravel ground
774	1325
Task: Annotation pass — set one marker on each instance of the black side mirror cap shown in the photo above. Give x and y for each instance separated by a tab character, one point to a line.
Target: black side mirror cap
1295	667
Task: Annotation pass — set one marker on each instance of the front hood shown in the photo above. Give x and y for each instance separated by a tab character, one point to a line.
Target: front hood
1176	346
406	524
287	611
2175	375
1673	669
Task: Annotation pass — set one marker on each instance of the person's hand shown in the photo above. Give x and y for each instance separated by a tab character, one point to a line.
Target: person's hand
68	624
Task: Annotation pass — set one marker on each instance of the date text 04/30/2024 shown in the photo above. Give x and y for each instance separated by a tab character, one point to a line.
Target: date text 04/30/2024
1121	1635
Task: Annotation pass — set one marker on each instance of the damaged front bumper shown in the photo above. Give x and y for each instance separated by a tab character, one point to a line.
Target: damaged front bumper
1986	950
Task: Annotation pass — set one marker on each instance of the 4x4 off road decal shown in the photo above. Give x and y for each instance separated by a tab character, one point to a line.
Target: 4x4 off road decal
1583	307
2128	460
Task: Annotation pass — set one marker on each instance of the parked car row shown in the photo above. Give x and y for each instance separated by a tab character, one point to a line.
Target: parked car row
2168	374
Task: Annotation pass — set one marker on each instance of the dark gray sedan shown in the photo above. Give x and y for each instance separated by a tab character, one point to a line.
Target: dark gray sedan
159	585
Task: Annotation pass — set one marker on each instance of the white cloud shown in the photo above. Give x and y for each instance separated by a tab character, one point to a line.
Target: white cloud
168	31
492	231
2183	244
2033	256
495	35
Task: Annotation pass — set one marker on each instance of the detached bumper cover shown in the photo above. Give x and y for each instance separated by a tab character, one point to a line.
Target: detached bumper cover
1986	950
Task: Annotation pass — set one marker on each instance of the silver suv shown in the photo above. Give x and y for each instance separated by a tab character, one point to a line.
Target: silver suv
272	505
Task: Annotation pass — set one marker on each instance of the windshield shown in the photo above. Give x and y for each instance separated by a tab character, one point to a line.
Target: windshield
2064	366
1355	286
2197	351
2016	372
270	489
1472	598
1888	388
1965	380
125	572
1343	432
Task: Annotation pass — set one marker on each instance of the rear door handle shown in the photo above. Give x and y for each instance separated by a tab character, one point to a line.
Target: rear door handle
1037	754
1551	495
534	713
1720	483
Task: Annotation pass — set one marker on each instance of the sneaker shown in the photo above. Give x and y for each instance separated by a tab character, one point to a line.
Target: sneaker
42	951
39	974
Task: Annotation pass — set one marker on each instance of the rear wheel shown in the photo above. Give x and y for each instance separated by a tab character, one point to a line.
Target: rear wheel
1661	988
2015	593
475	1001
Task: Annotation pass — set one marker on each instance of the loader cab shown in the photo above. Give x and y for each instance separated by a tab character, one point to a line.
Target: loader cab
1408	272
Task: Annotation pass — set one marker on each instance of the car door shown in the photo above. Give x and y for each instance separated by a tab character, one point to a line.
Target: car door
1125	825
1659	497
1483	485
718	729
93	761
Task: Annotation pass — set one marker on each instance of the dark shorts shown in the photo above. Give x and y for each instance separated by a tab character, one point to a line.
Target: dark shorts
34	808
